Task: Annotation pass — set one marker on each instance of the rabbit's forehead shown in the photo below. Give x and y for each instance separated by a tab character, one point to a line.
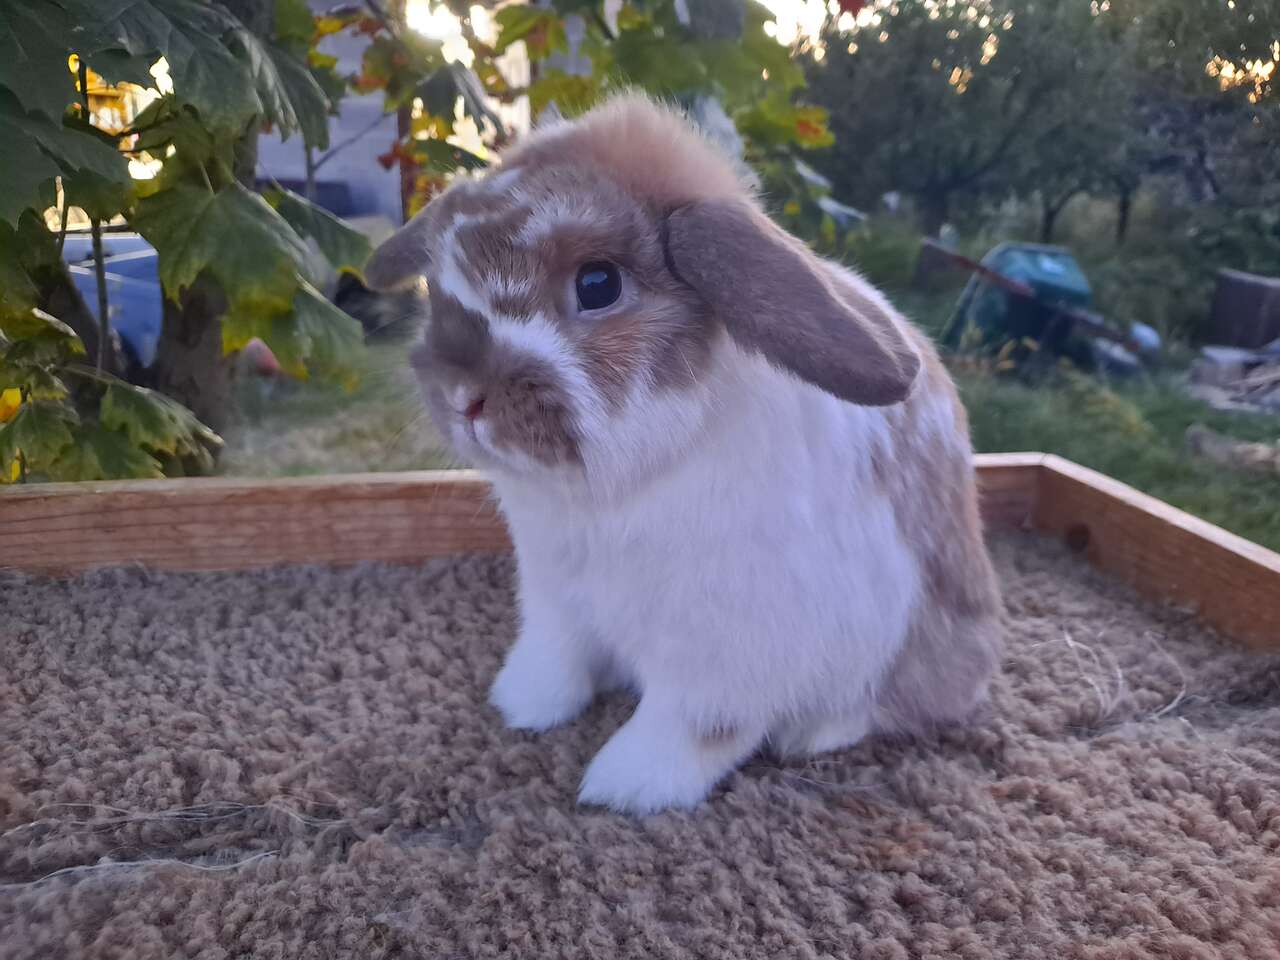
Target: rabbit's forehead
515	233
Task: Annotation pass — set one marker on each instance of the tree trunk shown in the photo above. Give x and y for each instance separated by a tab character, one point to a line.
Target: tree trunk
1124	207
189	364
408	175
1048	221
934	209
309	162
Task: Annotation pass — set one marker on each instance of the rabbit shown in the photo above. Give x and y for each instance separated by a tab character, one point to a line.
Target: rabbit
737	481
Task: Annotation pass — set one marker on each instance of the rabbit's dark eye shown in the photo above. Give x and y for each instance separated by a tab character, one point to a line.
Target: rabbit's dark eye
599	285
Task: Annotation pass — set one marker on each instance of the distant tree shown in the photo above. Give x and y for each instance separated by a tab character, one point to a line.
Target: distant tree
1210	96
1092	136
936	99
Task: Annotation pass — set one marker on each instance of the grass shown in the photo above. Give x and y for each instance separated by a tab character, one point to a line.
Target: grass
289	429
1009	417
1133	432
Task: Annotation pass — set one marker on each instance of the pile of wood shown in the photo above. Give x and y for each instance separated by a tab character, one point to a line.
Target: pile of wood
1234	378
1234	454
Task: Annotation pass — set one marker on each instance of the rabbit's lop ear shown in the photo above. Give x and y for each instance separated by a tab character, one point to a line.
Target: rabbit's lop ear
777	298
404	256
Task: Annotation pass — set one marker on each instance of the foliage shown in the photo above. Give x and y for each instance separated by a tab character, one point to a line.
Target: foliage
1145	135
224	82
679	51
884	250
937	96
131	433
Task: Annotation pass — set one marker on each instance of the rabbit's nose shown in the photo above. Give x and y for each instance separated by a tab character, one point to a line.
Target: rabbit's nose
475	407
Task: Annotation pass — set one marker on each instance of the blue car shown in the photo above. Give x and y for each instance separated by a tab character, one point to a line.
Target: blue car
135	302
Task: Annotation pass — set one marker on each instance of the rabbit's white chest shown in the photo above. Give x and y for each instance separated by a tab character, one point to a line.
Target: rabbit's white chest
757	575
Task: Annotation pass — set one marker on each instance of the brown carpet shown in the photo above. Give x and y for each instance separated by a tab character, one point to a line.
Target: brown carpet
300	764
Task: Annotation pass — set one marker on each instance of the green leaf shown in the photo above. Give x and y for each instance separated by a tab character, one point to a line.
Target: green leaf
34	40
17	292
28	365
97	453
290	97
25	170
234	234
42	384
41	430
36	150
324	69
168	122
190	35
344	247
330	338
152	420
542	29
446	157
35	324
316	338
307	97
441	90
659	64
294	23
101	197
775	121
120	66
631	17
571	93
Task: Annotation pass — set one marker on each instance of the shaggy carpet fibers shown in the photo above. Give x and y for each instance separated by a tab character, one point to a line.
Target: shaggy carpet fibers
301	764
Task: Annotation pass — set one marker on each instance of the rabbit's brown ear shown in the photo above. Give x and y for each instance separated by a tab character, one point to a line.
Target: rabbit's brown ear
404	256
777	298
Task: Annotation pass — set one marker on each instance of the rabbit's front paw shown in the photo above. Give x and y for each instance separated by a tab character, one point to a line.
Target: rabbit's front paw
540	686
654	762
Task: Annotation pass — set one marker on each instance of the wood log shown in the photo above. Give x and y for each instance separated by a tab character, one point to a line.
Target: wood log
1235	454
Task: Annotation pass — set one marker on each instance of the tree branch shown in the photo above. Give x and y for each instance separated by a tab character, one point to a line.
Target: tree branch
343	144
95	229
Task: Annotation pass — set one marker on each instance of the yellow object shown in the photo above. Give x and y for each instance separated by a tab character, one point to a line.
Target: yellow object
10	401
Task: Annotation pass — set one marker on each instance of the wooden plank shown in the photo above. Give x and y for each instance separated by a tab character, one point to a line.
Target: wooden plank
1008	485
1165	553
233	524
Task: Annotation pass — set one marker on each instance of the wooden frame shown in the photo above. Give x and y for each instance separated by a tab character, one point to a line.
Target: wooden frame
236	524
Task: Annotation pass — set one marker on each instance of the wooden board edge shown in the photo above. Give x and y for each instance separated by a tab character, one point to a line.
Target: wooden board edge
235	523
191	486
238	524
1008	487
1165	553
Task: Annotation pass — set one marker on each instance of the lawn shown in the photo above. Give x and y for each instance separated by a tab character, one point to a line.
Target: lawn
289	429
1133	432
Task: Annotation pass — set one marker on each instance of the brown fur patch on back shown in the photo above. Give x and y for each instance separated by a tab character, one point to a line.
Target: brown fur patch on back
954	639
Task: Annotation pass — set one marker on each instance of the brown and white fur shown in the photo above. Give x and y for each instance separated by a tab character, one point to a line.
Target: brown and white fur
745	489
